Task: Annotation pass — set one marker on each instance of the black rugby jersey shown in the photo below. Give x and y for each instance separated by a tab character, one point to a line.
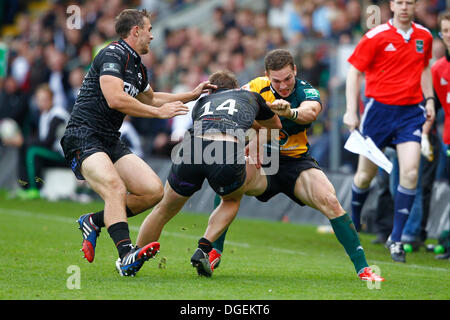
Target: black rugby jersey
91	108
229	110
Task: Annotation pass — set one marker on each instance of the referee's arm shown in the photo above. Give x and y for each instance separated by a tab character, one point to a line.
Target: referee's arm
353	87
428	92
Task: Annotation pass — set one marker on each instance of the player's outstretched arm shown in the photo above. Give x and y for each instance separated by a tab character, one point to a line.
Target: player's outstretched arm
159	98
118	99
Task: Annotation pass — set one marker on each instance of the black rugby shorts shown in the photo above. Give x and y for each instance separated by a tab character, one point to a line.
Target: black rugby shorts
80	143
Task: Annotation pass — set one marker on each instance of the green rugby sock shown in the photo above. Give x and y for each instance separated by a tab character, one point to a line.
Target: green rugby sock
345	232
219	243
216	201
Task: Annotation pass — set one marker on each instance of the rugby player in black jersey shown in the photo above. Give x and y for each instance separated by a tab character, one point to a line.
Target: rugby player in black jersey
213	150
116	85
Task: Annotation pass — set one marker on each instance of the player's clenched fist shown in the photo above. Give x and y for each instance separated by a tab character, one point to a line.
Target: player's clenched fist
280	107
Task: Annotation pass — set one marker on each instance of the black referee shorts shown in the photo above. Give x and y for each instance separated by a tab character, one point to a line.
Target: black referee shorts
80	143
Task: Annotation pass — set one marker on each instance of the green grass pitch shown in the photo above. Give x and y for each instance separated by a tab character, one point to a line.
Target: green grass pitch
263	260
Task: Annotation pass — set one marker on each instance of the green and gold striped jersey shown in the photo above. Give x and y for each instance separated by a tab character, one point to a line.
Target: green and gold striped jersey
293	140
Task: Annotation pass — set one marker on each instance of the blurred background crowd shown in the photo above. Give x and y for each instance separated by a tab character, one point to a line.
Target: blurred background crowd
37	47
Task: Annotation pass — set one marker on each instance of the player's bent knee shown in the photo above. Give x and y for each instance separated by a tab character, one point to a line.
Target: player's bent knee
156	194
158	189
159	194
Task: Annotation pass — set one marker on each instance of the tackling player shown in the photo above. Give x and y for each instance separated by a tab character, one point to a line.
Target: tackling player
116	85
220	121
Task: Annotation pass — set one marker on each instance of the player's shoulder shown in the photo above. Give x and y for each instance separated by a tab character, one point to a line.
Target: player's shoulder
115	45
113	48
257	84
302	83
306	91
113	52
378	31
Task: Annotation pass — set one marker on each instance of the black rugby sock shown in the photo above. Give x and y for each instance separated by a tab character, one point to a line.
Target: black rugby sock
99	217
205	245
120	235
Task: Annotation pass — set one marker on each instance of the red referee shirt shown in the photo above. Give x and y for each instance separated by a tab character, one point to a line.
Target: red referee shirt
441	83
393	62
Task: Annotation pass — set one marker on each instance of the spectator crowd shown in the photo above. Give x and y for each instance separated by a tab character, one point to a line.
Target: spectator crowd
45	50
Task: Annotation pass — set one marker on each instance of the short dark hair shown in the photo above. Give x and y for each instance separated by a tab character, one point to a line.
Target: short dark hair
278	59
45	87
129	18
224	79
443	16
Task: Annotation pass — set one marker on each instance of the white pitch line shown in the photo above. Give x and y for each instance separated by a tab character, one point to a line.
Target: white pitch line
413	266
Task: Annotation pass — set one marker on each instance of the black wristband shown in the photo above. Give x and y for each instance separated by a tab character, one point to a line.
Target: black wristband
430	98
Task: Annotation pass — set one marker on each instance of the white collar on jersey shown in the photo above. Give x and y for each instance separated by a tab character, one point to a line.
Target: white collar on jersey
406	35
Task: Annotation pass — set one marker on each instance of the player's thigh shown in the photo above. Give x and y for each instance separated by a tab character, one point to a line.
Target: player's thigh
101	174
313	188
409	161
137	175
256	181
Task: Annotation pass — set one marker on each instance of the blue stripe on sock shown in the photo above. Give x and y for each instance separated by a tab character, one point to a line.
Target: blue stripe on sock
359	190
410	192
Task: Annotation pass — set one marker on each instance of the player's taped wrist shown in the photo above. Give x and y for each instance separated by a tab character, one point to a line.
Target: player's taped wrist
294	114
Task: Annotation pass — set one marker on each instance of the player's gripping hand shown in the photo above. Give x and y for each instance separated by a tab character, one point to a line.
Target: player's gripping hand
172	109
253	151
203	87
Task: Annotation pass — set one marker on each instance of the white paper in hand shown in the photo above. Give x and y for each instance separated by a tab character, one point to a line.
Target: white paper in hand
356	143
